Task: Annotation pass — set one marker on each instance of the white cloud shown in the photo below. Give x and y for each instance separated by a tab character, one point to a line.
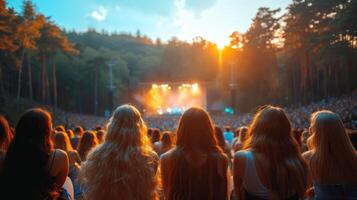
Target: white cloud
117	8
100	14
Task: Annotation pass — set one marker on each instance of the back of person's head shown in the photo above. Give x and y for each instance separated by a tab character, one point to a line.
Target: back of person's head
236	132
270	135
87	142
167	140
100	135
60	128
61	141
78	131
70	133
5	134
27	158
125	155
149	132
196	131
155	135
334	156
297	133
243	131
227	129
220	137
98	128
196	136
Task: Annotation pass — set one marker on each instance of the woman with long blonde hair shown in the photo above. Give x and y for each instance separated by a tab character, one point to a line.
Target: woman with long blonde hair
270	166
332	158
124	166
196	168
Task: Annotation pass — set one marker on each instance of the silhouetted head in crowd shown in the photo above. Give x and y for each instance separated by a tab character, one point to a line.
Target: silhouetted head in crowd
5	134
149	132
100	135
167	140
333	156
98	128
220	137
243	131
155	135
61	141
125	160
88	141
78	131
70	133
297	133
60	128
28	158
270	134
227	129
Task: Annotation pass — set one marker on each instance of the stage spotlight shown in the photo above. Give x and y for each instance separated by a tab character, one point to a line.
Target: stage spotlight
154	86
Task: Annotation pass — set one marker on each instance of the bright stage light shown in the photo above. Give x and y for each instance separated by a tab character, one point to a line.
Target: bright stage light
154	86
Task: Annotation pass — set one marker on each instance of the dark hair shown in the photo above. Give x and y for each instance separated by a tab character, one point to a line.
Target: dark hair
220	137
60	128
353	137
27	158
5	134
156	135
78	131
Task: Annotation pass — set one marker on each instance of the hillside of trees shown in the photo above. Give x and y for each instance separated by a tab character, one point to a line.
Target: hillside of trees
306	54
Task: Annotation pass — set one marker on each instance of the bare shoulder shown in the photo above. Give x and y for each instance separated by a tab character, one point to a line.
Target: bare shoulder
240	155
60	159
307	155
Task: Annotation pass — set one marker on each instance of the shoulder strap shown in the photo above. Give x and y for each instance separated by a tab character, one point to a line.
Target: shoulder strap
53	158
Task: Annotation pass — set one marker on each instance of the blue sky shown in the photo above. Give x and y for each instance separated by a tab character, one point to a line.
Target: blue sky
184	19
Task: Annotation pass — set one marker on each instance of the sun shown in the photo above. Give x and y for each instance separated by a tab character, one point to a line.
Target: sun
221	44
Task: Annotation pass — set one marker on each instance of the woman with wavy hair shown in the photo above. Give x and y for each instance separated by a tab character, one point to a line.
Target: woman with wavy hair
32	168
124	166
270	166
86	143
196	168
332	159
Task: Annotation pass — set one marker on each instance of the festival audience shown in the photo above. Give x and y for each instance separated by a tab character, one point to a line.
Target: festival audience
32	168
228	135
155	135
70	134
125	165
78	132
332	159
270	166
222	142
196	168
167	142
87	142
100	135
238	145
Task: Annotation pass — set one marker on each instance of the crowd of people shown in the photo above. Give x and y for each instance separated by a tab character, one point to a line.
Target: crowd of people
268	159
345	106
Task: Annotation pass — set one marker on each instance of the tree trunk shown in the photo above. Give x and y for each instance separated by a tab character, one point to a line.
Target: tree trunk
96	90
30	75
20	73
2	89
54	76
43	82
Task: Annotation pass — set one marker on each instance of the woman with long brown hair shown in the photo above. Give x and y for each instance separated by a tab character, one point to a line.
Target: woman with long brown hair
332	158
196	168
270	166
32	168
86	143
124	166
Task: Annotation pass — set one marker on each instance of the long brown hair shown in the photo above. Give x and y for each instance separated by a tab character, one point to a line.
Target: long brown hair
195	132
88	141
270	135
333	155
61	141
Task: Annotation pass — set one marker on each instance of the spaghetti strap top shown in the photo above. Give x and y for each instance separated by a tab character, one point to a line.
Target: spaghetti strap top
251	181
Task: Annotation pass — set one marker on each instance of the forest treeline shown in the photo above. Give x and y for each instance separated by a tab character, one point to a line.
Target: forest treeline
305	54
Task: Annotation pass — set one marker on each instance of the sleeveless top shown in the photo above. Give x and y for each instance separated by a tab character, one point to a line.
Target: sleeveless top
254	189
251	181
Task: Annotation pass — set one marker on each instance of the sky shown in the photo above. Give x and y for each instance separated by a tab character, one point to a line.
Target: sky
213	20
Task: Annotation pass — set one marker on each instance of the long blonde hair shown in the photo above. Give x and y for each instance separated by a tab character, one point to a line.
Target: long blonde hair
125	165
333	155
61	141
270	134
